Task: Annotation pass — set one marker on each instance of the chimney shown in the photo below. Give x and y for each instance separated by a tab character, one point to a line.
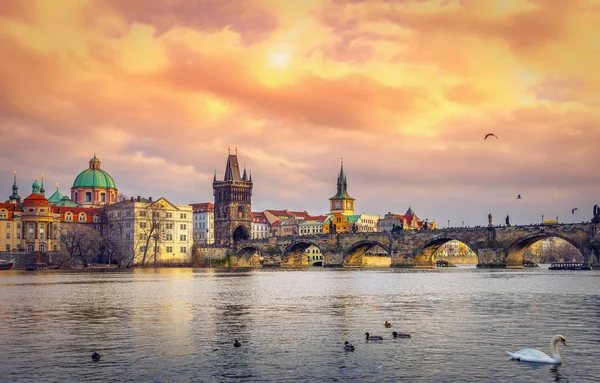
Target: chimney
131	199
139	198
150	198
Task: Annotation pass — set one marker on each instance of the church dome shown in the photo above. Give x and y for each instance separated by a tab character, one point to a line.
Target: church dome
94	177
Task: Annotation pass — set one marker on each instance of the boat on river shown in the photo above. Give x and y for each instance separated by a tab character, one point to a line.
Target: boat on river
7	265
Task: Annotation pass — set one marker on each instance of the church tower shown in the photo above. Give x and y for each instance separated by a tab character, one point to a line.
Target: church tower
341	202
233	200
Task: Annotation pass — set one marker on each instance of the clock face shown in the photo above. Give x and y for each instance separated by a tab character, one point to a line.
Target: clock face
337	205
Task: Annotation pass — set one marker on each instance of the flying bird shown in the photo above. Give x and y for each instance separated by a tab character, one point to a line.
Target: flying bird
519	197
573	211
490	135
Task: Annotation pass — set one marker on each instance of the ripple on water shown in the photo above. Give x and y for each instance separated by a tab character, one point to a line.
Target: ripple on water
179	325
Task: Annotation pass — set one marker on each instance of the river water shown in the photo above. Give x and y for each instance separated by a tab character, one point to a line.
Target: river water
178	325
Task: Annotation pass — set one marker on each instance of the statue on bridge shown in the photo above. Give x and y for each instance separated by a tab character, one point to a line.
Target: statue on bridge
331	228
507	221
596	218
490	224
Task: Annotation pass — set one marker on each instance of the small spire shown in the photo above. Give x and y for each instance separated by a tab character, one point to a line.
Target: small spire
236	150
250	180
229	150
57	186
42	190
215	178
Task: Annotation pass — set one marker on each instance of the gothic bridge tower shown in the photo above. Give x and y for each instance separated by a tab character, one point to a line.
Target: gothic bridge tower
233	200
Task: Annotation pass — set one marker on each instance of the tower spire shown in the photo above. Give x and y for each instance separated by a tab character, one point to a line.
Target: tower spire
14	197
42	190
245	176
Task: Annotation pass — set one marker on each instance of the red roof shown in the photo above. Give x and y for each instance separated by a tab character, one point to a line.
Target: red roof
35	199
90	212
11	207
203	207
259	217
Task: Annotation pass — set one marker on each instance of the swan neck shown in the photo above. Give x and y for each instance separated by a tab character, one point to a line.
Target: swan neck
555	353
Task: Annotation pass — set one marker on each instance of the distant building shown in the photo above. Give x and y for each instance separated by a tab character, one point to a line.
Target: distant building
152	229
260	225
408	221
204	220
341	203
233	201
94	187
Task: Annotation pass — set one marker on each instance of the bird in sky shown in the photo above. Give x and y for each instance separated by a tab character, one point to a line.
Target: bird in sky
519	197
573	211
490	135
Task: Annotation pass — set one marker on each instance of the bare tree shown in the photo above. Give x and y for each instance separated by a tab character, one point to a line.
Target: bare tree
153	230
80	240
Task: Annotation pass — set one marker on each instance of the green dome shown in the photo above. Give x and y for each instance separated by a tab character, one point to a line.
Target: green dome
94	178
66	202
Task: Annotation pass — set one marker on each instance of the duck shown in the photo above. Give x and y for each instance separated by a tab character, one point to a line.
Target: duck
387	324
531	355
95	357
400	335
237	344
348	346
374	337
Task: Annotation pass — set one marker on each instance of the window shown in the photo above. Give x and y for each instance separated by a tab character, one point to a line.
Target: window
169	226
183	237
42	247
169	237
103	197
169	249
183	216
142	236
143	225
3	214
183	250
142	213
183	226
169	215
7	247
68	217
127	235
18	235
8	225
88	197
7	235
82	217
18	225
142	249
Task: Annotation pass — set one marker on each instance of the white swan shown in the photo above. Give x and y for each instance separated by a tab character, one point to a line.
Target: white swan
531	355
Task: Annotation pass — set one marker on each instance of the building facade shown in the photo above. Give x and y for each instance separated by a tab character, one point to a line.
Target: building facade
152	230
233	202
260	226
204	222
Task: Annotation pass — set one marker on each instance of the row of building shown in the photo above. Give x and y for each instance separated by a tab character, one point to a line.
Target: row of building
164	231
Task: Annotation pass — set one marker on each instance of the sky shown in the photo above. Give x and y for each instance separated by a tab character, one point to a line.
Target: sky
403	90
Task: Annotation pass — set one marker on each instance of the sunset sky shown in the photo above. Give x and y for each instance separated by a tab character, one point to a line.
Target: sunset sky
404	91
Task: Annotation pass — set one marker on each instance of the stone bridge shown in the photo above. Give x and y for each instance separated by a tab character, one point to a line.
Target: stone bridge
500	246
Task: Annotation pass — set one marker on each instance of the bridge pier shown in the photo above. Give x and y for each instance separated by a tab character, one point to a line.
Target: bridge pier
402	259
334	259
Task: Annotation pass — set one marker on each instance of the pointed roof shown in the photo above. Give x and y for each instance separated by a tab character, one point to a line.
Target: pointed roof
410	212
232	169
15	197
55	197
342	186
65	201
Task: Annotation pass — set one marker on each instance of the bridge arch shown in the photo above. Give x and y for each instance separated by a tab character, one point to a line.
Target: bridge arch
517	248
353	255
425	254
249	256
240	234
294	254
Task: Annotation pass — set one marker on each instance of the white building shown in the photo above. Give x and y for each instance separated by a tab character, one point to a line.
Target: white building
367	223
260	225
204	222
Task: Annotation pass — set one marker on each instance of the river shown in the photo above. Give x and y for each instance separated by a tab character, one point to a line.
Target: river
179	325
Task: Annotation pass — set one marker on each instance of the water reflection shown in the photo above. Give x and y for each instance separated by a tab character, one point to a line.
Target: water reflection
180	324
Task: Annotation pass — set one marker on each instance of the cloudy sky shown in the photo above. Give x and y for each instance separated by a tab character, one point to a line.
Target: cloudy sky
403	91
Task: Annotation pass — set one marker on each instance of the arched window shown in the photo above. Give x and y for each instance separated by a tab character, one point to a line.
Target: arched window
42	247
